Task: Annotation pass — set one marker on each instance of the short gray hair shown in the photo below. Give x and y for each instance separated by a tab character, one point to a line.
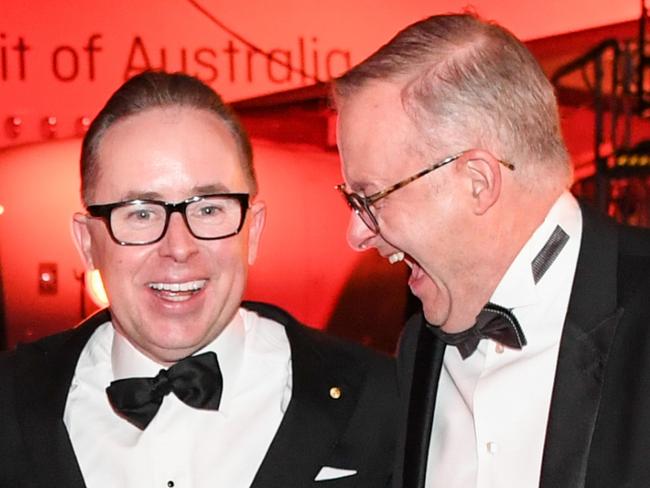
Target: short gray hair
470	83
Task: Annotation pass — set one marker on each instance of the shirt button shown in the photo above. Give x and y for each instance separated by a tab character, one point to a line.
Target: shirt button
170	484
492	447
498	348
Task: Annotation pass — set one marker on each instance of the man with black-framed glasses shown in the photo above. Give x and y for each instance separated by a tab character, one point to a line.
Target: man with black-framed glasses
527	365
178	383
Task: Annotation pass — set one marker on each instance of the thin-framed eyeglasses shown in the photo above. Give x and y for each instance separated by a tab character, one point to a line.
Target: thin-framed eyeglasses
140	222
361	205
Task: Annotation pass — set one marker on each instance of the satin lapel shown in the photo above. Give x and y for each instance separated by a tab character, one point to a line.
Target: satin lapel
426	374
588	332
314	420
44	374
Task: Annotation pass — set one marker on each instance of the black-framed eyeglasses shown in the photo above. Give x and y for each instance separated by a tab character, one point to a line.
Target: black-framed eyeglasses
140	222
361	204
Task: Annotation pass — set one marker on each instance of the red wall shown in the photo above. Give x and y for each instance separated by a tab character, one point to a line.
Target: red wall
64	58
39	191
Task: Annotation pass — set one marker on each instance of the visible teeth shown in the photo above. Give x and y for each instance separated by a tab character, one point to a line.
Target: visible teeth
177	298
396	257
176	287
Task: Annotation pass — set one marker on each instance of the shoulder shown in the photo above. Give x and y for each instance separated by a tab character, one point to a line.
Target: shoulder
630	241
319	360
305	337
29	360
362	382
633	264
30	351
613	247
634	241
25	365
319	357
73	337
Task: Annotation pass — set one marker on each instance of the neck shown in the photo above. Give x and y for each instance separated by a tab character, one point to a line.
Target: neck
499	236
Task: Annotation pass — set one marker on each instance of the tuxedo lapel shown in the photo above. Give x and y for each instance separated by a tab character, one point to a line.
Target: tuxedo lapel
424	389
588	332
44	374
315	418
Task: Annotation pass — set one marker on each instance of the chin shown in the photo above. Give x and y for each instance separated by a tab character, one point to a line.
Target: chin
434	314
168	353
432	319
178	340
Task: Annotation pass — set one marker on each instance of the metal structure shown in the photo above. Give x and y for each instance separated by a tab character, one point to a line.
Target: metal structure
616	74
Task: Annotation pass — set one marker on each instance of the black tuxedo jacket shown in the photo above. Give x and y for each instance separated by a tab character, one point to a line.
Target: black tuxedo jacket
355	431
598	433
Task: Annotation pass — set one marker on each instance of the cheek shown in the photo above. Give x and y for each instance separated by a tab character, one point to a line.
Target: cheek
119	266
224	256
406	225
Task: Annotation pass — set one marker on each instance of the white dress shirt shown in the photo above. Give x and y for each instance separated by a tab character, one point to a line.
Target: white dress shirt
492	408
182	447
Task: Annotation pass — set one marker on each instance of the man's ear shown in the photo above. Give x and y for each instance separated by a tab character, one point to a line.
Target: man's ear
484	172
82	239
257	219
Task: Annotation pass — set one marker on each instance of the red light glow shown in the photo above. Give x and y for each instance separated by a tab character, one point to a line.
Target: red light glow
95	288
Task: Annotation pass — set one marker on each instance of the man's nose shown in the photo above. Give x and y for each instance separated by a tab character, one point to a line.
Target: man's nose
358	234
178	242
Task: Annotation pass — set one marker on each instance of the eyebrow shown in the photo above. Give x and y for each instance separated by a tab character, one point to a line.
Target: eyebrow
354	186
366	184
363	187
195	191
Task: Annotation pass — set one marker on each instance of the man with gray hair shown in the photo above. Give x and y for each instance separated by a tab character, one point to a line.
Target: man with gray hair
527	366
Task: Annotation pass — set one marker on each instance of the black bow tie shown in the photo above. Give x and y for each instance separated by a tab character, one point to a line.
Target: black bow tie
494	322
195	380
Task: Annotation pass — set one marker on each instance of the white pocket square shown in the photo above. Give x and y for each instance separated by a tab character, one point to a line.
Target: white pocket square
329	473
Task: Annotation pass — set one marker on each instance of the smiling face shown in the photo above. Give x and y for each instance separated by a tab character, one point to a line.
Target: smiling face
172	297
379	146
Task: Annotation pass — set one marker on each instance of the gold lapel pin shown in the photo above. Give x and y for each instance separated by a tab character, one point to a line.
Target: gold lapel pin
335	392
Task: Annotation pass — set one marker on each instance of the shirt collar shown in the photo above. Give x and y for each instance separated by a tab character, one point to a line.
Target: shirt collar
517	287
128	362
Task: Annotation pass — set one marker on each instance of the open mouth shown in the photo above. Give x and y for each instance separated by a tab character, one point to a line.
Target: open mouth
399	256
396	257
177	292
416	270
